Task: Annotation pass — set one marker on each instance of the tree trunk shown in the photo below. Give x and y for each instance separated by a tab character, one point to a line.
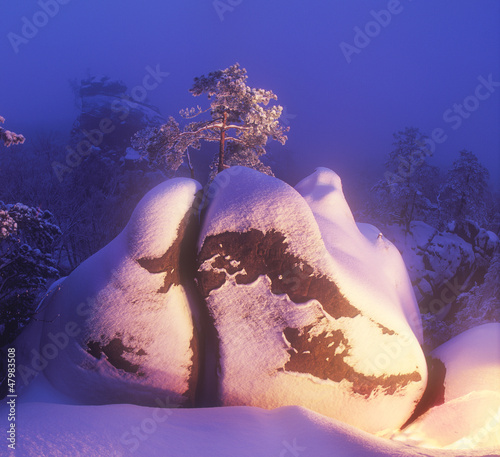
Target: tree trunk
410	216
222	140
190	165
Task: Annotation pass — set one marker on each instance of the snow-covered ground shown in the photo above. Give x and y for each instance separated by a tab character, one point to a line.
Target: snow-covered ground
468	413
59	430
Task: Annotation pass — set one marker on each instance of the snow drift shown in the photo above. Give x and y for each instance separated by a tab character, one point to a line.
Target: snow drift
466	406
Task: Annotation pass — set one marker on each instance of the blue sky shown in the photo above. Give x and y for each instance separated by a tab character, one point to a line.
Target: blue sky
422	61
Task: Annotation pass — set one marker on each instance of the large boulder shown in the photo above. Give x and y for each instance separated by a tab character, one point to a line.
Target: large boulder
120	327
320	317
463	394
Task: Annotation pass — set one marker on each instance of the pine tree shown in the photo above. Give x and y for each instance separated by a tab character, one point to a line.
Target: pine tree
237	115
409	186
27	241
464	195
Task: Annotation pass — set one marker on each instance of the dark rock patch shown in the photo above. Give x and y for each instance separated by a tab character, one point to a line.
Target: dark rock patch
179	261
259	253
114	351
385	330
317	356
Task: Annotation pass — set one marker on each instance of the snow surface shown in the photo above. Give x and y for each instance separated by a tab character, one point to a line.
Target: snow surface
472	361
250	319
470	415
471	421
54	430
111	296
57	430
361	251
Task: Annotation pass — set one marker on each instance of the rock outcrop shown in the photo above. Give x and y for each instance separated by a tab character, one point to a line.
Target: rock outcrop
444	264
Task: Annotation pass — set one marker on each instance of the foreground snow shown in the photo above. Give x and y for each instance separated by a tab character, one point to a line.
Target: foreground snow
467	413
57	430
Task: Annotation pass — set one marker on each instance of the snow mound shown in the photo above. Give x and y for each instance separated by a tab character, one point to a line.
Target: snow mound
307	313
119	328
466	413
472	361
53	430
360	250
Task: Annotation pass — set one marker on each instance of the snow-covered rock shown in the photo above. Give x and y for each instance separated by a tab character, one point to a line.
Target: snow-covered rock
471	360
464	395
119	328
360	250
307	315
439	263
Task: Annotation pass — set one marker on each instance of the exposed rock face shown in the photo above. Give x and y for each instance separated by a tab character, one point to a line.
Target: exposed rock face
123	318
295	322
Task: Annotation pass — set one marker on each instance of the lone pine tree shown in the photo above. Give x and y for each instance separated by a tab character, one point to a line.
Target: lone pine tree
237	116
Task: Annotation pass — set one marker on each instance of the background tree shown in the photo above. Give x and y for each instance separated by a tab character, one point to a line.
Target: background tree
7	137
409	189
94	199
28	239
465	194
237	115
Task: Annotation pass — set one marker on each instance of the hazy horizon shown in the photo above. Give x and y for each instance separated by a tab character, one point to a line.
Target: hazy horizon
348	75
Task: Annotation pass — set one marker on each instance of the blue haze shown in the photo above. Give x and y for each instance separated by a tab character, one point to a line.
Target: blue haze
342	115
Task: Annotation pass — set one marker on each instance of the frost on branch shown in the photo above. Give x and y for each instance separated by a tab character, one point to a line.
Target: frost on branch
27	240
9	138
